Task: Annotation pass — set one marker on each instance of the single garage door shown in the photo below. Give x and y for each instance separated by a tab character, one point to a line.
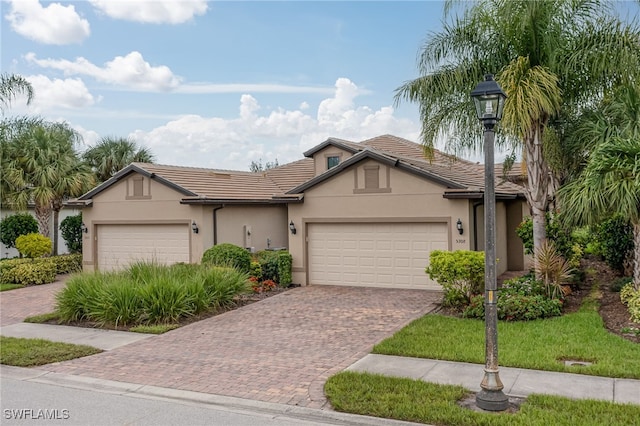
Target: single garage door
390	255
121	245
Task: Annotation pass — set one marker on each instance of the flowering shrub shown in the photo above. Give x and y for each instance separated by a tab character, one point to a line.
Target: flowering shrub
262	286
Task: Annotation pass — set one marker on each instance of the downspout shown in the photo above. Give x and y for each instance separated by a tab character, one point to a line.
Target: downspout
215	224
475	224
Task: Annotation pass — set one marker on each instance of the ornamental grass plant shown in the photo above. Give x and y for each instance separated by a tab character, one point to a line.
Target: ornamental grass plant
149	294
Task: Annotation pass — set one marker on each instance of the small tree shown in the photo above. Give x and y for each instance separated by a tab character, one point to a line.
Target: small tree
11	227
33	245
460	273
71	229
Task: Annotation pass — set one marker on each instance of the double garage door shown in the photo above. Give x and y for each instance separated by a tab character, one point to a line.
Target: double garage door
120	245
390	255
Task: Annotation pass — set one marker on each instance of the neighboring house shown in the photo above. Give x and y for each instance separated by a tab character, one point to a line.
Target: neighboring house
67	210
361	214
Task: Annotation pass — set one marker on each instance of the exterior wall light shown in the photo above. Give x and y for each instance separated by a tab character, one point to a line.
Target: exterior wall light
489	101
459	226
194	227
84	228
292	228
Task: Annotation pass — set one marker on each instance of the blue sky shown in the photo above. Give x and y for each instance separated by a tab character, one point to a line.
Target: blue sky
219	84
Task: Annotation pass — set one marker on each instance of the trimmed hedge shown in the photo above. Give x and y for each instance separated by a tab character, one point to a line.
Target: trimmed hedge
228	255
275	266
31	272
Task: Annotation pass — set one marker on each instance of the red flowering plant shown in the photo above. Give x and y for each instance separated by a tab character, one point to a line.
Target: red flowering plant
262	286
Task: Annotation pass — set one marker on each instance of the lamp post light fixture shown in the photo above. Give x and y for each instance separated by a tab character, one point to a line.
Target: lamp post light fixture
489	101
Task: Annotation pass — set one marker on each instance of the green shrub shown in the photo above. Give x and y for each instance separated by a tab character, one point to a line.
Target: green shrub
615	240
460	273
11	227
31	273
228	255
519	299
255	270
67	263
269	262
619	283
285	262
71	230
628	292
561	237
33	245
634	308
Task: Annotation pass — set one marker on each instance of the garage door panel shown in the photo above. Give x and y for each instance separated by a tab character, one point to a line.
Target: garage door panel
374	254
121	245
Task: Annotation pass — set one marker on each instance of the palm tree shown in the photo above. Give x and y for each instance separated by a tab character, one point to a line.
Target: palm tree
42	167
10	86
609	184
549	56
113	154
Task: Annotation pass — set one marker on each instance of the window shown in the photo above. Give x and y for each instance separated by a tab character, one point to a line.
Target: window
332	161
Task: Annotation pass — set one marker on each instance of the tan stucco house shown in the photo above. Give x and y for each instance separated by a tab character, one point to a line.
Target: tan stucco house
359	214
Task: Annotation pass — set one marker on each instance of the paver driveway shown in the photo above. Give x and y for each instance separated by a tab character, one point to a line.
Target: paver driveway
281	349
16	305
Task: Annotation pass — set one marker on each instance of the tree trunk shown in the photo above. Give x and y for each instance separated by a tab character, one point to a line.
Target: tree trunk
636	251
538	185
43	215
56	206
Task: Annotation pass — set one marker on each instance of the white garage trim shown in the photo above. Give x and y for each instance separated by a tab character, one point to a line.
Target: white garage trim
374	254
118	245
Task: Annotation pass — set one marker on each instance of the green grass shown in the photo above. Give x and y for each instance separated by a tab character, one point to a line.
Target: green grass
43	318
34	352
154	329
417	401
539	345
7	287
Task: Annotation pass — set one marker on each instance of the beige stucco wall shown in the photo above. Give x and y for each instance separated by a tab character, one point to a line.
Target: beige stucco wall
409	199
263	222
320	157
160	204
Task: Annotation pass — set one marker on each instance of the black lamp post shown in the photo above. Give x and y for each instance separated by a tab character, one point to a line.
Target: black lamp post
489	100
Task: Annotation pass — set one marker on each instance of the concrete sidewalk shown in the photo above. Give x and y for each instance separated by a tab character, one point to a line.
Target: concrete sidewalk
517	382
96	337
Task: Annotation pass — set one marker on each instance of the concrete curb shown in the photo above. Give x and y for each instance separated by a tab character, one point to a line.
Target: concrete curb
231	404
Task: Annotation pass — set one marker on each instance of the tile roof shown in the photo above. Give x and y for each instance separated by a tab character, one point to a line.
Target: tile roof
280	183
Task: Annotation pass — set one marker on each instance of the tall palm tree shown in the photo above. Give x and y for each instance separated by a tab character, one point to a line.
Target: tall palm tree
10	86
610	184
43	167
113	154
547	55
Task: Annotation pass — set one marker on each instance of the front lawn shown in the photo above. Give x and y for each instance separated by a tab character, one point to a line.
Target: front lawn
33	352
418	401
7	286
540	344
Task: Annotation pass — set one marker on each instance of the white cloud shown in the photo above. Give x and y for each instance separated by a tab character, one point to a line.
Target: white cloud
153	12
129	71
54	24
52	95
133	72
215	142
